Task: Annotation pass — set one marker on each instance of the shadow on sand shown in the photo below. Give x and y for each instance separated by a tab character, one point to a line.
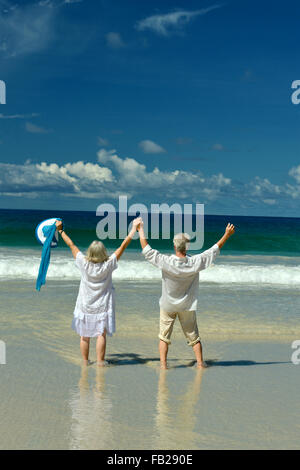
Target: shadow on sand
132	358
215	362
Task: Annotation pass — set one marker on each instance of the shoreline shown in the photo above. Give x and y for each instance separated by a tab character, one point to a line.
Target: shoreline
223	314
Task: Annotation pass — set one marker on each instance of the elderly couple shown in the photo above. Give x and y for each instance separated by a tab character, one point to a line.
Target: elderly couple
94	314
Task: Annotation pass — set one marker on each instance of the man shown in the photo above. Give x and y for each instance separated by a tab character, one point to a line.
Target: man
180	285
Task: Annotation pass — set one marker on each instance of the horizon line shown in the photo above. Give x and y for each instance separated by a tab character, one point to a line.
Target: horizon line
94	212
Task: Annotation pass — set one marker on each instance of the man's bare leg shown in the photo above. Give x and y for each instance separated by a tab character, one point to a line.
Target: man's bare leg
100	349
85	348
199	356
163	352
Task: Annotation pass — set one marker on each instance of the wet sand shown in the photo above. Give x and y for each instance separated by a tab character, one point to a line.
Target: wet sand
247	398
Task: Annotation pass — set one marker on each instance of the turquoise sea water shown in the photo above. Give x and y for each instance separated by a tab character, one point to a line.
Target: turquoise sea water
254	235
263	251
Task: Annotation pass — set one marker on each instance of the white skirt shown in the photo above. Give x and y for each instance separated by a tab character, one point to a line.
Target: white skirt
94	324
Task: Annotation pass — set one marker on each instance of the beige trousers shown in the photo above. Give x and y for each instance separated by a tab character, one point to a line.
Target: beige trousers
188	324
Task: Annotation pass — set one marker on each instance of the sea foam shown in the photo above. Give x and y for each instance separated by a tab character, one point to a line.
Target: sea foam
13	266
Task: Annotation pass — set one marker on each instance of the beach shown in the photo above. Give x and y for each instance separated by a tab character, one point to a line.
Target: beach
247	398
248	317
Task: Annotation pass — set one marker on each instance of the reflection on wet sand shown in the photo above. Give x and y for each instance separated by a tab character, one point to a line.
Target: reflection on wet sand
91	407
176	416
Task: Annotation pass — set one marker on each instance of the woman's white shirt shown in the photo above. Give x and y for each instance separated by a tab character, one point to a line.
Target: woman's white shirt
96	291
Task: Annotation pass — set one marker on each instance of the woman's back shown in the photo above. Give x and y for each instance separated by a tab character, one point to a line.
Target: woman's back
95	273
96	292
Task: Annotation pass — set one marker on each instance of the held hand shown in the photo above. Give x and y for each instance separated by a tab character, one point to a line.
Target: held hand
229	230
136	223
140	227
59	225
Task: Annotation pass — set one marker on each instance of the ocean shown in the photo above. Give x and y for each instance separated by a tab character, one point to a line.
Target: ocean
255	235
248	317
264	250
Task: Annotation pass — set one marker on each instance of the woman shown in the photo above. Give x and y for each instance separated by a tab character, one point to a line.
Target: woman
94	314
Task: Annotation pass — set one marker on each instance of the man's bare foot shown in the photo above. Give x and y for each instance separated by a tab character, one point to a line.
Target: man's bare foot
163	366
102	363
201	365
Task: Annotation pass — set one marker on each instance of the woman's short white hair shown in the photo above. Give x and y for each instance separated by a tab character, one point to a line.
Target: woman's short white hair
96	252
181	242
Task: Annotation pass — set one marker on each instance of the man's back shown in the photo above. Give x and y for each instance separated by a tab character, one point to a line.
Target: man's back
180	277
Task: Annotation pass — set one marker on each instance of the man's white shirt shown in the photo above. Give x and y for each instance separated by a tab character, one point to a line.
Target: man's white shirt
180	277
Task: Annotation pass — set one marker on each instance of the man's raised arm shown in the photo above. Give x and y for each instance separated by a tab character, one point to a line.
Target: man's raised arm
228	232
206	258
143	239
153	256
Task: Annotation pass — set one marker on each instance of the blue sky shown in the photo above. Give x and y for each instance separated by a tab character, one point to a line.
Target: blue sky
186	101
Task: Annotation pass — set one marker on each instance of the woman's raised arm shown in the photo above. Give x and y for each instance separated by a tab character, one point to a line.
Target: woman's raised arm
128	239
66	239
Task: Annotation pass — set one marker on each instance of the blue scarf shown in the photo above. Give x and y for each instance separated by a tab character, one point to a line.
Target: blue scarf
48	231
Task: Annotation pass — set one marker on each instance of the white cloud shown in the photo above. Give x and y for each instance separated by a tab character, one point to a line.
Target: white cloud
89	171
129	173
69	179
262	186
108	178
270	202
72	1
295	173
44	3
33	129
183	140
292	191
148	146
31	195
25	28
103	142
220	180
269	193
165	23
105	156
113	175
218	147
114	40
18	116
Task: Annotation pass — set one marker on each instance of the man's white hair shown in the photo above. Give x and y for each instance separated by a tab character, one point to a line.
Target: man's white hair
181	242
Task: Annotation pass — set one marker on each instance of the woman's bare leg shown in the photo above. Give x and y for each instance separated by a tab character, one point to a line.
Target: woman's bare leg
85	348
100	348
